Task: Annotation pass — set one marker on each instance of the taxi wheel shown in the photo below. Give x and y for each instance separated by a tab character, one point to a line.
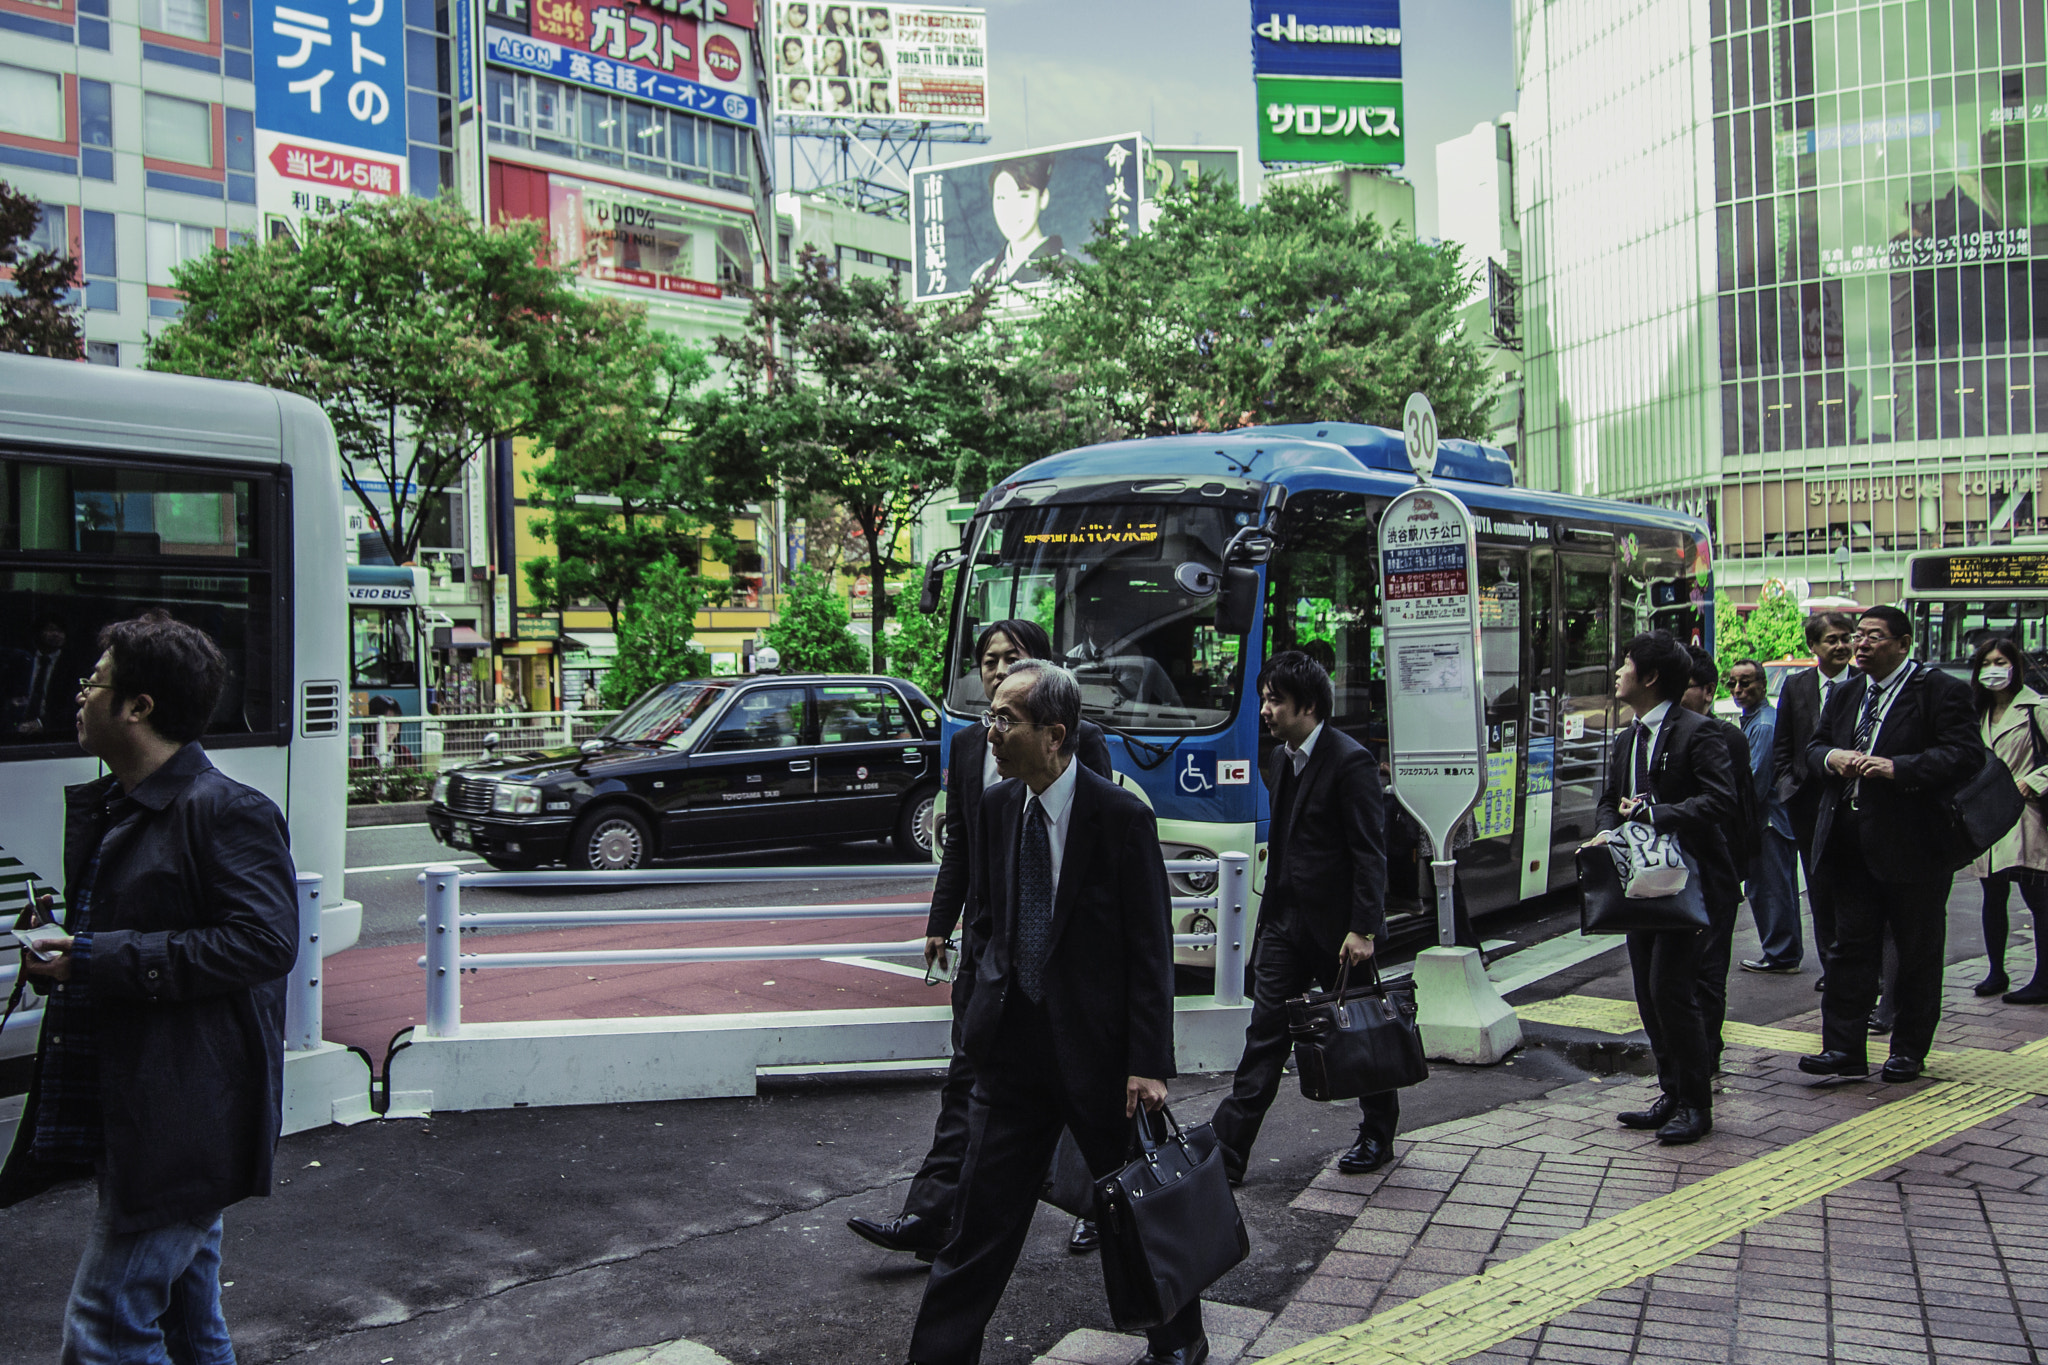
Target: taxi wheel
917	825
614	840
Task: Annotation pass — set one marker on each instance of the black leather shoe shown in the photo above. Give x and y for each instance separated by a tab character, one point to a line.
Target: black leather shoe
1879	1025
1834	1064
1899	1067
1656	1116
1820	984
1194	1353
910	1232
1085	1236
1688	1124
1365	1157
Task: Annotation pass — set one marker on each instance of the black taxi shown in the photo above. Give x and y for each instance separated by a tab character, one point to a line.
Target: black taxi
710	765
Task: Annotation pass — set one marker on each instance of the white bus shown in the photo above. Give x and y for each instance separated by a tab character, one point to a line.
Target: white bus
1960	598
121	491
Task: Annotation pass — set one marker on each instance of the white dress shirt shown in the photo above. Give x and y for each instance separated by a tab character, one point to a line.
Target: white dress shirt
1058	801
1299	757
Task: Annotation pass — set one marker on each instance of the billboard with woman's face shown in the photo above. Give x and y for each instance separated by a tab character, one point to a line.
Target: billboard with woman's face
863	61
1003	220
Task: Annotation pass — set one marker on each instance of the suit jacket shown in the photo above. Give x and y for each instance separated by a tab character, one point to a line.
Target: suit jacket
1798	715
1745	832
1332	879
966	761
1692	793
1930	735
1109	966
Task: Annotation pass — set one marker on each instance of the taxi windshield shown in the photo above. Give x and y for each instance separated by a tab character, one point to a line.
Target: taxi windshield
661	714
1126	592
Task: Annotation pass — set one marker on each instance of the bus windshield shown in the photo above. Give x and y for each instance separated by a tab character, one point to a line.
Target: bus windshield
662	714
1950	632
1115	587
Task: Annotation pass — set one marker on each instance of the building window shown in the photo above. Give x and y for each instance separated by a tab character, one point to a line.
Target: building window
49	231
182	18
177	130
588	125
170	245
102	295
95	114
32	103
103	353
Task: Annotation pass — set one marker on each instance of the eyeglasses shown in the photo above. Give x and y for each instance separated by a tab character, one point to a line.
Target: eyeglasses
1875	637
87	684
1002	724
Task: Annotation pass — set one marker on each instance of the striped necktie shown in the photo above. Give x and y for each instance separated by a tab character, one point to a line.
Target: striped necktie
1034	902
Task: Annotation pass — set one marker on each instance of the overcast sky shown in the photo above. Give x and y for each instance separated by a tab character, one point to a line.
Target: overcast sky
1180	71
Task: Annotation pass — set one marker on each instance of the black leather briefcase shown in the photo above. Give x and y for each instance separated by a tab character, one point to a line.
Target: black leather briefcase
1605	906
1356	1040
1170	1226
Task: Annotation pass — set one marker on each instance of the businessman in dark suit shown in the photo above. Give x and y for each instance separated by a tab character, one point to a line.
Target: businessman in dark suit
1071	1020
1742	833
41	685
1800	703
1669	769
927	1217
1889	746
1325	901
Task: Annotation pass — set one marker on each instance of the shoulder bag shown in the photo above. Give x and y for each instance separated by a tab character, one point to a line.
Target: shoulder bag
1356	1040
1608	904
1170	1226
1981	811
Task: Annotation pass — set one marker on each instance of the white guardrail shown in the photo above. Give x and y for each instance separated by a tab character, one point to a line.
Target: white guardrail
432	743
446	1063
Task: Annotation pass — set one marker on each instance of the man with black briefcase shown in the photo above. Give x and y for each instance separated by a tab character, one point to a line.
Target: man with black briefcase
1324	905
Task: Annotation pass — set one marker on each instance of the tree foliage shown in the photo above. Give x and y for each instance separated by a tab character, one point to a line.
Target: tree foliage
655	631
813	632
1289	310
1775	630
635	479
40	316
420	333
860	399
917	648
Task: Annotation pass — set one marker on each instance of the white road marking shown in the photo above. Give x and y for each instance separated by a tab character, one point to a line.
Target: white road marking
361	829
877	964
413	867
1548	958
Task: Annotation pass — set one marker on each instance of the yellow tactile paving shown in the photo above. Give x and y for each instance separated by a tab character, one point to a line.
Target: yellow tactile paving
1484	1310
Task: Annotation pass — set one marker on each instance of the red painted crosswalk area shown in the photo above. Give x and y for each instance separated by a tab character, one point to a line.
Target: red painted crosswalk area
372	993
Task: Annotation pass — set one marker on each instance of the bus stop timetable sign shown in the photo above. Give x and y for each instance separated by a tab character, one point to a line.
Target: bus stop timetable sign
1436	728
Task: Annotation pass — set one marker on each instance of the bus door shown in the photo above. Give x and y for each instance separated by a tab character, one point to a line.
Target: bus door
1582	704
1540	754
1490	867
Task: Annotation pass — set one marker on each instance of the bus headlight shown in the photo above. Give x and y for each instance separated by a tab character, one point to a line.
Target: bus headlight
1201	924
511	799
441	790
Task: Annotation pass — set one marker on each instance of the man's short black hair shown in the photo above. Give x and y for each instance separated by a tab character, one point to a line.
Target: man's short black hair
1028	636
1895	621
178	667
1704	672
1661	662
1820	623
1293	676
1747	663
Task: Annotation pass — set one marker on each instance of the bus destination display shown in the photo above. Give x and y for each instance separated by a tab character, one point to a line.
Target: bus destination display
2025	569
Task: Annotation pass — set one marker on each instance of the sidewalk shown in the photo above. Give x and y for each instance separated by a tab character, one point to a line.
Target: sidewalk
1833	1221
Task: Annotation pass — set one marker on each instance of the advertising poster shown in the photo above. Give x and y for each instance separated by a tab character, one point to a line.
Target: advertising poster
1326	119
922	62
1170	166
648	52
999	220
1354	38
642	241
330	107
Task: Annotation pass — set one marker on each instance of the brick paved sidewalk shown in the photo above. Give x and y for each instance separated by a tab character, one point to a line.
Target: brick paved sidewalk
1937	1257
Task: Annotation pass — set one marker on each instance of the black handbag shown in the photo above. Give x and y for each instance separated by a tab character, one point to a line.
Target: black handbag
1170	1226
1356	1040
1982	811
1606	908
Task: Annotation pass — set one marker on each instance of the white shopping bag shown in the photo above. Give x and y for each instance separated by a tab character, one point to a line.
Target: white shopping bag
1648	862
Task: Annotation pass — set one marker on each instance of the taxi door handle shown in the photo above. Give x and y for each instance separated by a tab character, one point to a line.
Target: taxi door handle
800	765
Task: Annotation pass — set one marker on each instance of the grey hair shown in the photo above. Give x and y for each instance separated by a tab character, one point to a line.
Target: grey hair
1054	699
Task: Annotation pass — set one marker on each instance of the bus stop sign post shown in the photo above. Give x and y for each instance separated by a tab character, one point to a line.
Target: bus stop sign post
1436	724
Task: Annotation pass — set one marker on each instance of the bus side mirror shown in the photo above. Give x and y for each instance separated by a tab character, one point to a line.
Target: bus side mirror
934	578
1237	606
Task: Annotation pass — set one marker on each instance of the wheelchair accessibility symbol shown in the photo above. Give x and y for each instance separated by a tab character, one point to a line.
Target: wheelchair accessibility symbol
1196	774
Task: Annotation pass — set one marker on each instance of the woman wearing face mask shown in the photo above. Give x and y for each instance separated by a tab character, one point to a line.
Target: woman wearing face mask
2013	720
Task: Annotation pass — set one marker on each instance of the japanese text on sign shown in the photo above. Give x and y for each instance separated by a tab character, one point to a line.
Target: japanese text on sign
325	168
553	59
333	71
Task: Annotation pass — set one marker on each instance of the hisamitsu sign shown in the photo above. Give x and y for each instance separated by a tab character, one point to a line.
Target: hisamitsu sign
1355	38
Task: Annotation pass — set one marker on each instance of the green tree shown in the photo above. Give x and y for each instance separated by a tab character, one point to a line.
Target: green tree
630	479
1288	310
655	632
858	398
813	632
917	647
421	334
39	316
1777	628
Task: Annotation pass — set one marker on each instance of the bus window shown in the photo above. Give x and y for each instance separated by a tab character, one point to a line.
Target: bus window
1587	701
83	545
1950	632
1110	584
382	648
1664	584
1322	594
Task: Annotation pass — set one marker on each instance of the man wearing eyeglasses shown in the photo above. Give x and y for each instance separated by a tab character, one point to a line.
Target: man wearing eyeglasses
1071	1023
1887	748
1800	702
160	1066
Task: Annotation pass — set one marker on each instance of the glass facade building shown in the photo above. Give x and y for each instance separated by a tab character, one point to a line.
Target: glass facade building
1861	296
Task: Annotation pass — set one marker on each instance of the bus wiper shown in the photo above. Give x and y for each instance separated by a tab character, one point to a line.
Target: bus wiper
1144	752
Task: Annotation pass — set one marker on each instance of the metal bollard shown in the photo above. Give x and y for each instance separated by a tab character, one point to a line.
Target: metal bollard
444	951
302	1011
1233	907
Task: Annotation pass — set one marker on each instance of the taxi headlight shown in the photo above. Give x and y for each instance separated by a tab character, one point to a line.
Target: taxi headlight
512	799
441	790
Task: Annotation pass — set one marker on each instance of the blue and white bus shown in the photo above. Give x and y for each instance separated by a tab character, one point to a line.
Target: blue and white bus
121	491
1167	570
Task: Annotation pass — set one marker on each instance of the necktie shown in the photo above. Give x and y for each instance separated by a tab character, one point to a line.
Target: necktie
1034	902
46	664
1645	741
1866	724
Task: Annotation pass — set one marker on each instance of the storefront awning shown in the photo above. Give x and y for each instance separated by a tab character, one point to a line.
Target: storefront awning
603	642
462	637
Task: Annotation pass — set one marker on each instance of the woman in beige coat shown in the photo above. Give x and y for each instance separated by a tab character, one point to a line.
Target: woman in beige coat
2013	720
